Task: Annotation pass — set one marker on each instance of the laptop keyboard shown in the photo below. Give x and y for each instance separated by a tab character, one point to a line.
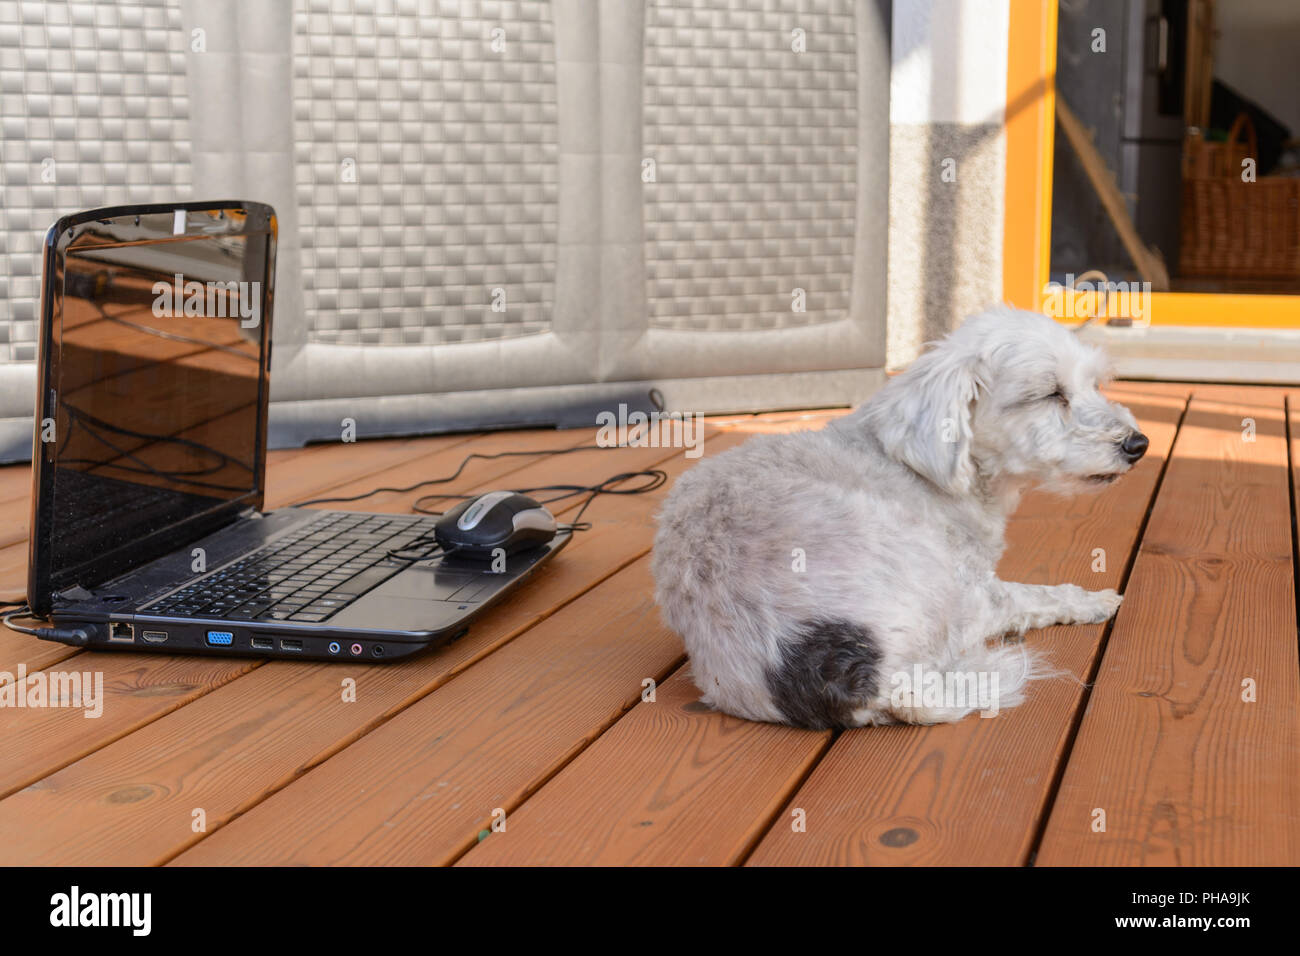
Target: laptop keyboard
309	575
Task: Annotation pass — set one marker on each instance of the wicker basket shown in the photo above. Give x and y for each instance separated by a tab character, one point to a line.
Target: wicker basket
1235	229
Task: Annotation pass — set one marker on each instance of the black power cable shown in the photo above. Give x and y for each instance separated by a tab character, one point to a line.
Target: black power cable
655	478
76	636
452	477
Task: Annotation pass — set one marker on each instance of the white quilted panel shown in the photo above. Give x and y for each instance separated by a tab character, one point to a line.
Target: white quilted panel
755	162
455	153
98	88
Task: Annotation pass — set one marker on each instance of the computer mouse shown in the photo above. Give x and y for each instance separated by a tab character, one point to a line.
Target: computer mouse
504	520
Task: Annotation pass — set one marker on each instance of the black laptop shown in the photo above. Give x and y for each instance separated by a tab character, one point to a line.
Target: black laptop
149	463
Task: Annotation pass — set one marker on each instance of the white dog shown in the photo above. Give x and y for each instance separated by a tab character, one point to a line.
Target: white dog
811	574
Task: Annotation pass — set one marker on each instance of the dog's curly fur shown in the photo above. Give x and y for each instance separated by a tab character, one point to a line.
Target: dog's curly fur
803	569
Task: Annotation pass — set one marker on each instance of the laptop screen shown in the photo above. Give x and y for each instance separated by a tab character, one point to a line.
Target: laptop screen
151	421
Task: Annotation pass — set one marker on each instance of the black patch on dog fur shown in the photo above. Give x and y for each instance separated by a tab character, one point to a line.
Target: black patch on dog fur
828	671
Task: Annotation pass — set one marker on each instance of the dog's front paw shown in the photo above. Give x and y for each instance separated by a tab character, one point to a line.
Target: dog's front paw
1097	606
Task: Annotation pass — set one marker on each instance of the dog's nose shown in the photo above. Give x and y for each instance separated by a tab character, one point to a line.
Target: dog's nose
1134	446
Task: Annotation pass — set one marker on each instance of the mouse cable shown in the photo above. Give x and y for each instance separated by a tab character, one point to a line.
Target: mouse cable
404	554
654	478
453	476
657	479
655	396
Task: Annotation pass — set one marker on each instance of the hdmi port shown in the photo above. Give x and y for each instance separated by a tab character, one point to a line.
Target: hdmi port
155	637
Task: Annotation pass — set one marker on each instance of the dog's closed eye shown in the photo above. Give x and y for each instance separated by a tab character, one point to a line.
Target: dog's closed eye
1058	396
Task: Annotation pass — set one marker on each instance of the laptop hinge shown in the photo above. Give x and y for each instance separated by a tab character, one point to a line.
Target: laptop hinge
72	594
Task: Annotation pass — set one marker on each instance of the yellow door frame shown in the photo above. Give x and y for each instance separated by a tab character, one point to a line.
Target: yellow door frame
1027	231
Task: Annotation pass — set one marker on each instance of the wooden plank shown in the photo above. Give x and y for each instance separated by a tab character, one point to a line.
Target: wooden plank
229	749
13	571
672	783
482	742
15	503
1123	388
15	481
1186	771
973	792
137	688
1292	402
1270	397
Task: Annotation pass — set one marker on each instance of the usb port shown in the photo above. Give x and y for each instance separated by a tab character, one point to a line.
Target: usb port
290	645
154	637
121	633
262	643
220	638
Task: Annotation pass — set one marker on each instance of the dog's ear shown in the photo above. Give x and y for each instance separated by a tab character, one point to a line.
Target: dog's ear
923	418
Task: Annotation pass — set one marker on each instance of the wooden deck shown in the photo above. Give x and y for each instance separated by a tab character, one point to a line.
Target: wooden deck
1181	727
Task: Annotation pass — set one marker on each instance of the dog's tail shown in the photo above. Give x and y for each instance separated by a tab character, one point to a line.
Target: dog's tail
985	679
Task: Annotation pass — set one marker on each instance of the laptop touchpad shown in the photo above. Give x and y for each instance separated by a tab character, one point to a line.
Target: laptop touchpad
434	583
